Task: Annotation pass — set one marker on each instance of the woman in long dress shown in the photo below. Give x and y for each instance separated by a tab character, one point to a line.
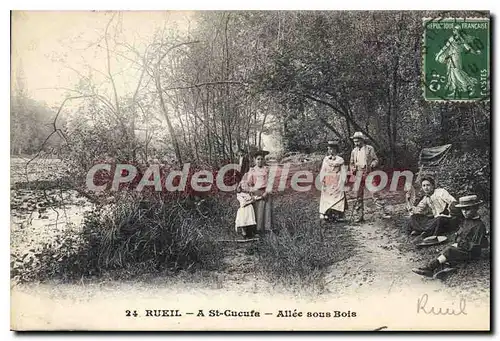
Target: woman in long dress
256	183
457	79
333	201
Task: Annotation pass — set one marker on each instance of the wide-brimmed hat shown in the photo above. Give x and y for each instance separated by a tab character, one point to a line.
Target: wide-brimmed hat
358	135
468	201
433	240
262	153
442	272
332	143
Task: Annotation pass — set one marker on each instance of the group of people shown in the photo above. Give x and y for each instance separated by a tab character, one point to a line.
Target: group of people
254	215
333	202
437	213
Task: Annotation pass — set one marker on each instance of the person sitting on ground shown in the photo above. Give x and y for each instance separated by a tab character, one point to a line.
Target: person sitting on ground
469	239
439	203
245	216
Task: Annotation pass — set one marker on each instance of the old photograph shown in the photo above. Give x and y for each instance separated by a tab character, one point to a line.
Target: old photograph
250	170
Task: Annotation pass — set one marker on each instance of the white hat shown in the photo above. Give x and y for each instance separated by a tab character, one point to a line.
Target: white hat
358	135
468	201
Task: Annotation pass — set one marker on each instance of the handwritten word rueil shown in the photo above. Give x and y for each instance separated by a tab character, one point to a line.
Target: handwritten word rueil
424	307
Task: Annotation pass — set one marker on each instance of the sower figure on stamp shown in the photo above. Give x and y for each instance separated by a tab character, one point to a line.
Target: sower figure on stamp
363	160
457	79
470	239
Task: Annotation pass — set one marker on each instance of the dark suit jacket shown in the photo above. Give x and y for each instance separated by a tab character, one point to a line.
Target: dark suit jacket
244	164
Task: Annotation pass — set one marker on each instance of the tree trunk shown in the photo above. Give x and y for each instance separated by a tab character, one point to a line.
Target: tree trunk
348	127
262	128
169	123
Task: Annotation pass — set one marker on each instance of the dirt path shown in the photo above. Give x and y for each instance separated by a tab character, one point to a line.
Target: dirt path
377	264
379	267
376	282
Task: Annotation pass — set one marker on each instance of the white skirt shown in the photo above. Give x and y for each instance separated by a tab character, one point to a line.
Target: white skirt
332	199
245	216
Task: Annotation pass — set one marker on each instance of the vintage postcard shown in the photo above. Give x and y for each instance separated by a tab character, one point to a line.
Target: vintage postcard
250	170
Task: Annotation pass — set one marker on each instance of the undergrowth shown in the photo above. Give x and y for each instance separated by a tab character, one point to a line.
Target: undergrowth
130	236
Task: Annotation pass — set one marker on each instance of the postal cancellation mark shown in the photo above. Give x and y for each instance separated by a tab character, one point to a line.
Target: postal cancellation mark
456	61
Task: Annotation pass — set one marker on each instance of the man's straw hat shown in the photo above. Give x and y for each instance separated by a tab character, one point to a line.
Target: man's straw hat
468	201
358	135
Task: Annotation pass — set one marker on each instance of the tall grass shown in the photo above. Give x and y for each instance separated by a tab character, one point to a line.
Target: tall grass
132	236
166	233
301	250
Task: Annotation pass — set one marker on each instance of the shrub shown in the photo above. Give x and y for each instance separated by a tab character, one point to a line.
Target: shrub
166	233
63	255
467	172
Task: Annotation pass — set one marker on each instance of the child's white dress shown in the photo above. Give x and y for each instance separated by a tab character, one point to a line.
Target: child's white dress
245	215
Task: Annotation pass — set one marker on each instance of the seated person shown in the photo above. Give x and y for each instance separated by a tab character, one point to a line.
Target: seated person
469	239
436	202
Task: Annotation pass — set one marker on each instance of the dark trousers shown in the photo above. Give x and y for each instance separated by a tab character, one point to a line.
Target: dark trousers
360	194
431	226
334	214
248	231
358	205
455	255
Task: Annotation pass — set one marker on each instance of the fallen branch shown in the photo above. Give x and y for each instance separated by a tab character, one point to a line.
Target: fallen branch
237	240
199	85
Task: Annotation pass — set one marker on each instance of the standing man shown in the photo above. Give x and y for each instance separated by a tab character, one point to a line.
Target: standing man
243	165
363	160
244	161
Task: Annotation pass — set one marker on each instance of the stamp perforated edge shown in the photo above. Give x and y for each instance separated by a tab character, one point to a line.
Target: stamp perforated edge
424	19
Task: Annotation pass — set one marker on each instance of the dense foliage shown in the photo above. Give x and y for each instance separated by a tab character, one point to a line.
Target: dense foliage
201	94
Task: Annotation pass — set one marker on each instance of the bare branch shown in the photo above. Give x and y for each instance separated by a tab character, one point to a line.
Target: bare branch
174	47
109	65
343	114
142	75
205	84
52	133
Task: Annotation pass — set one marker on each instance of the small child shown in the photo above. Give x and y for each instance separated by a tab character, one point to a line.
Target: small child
469	239
245	217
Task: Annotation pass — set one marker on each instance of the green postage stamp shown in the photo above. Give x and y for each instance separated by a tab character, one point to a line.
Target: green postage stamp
456	59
